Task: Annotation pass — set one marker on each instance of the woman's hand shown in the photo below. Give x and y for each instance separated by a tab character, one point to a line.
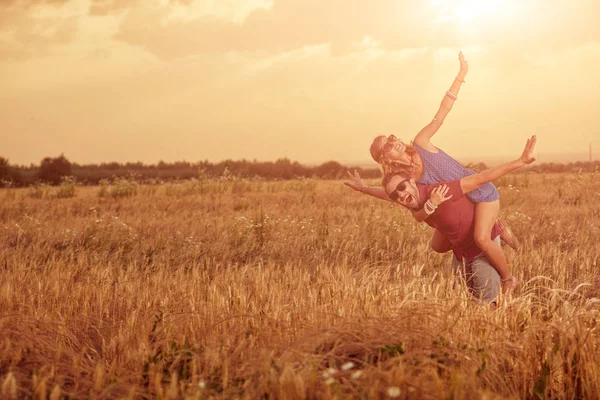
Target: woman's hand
464	66
356	182
438	195
527	156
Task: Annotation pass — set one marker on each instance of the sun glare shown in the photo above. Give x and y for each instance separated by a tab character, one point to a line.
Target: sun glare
471	10
471	13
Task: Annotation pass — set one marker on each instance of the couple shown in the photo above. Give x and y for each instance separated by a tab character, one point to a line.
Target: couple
460	205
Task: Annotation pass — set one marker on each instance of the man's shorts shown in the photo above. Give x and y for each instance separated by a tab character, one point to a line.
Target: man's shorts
482	278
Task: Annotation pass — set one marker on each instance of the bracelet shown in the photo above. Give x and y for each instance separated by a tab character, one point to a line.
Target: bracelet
429	207
507	279
460	80
451	95
427	210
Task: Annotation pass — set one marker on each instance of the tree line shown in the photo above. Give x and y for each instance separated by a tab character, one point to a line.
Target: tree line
52	170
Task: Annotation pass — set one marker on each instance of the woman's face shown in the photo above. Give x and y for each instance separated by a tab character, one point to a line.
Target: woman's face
394	150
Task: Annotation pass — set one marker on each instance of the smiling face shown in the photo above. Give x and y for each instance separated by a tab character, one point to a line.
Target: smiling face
393	149
403	191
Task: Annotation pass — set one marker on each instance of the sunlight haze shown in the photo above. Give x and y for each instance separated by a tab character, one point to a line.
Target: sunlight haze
116	80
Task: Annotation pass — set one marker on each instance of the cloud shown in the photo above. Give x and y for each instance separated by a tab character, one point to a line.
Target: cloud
24	34
30	3
172	29
287	25
11	51
395	24
106	7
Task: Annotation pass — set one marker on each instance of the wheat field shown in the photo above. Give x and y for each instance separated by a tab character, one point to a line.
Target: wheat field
237	288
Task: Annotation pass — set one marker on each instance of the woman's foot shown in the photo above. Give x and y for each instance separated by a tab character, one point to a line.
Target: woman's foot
506	235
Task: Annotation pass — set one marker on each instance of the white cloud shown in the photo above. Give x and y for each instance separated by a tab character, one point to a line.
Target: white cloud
586	54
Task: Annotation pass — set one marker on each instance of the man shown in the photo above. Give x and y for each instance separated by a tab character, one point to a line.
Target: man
454	218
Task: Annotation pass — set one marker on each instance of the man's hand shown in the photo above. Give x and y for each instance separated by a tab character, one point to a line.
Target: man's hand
356	182
464	66
509	285
527	156
438	195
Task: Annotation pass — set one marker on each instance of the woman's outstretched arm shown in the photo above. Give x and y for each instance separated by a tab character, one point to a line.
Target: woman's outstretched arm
423	138
472	182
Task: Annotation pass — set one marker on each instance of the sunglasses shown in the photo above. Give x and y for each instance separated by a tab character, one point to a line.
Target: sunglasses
399	188
389	143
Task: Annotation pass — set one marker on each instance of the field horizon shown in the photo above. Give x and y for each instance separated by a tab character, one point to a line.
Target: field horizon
563	158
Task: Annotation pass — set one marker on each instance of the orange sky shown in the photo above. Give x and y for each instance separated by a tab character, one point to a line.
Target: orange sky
311	80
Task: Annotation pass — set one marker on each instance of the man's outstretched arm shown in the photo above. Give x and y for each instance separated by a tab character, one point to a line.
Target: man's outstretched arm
358	184
473	182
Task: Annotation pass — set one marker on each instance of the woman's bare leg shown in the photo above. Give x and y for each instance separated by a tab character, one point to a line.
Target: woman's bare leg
439	242
485	217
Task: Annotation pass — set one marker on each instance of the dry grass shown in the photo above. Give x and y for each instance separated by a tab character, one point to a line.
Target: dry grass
251	289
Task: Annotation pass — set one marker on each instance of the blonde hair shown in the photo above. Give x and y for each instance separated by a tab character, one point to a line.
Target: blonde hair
377	148
392	166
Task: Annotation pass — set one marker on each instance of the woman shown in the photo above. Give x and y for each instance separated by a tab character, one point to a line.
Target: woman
427	164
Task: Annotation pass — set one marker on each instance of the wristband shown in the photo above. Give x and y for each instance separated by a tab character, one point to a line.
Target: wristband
451	95
507	279
429	207
427	210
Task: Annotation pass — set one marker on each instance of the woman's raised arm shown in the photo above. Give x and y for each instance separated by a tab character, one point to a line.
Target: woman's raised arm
423	138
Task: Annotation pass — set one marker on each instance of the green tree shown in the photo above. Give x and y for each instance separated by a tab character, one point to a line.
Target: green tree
52	170
4	172
330	170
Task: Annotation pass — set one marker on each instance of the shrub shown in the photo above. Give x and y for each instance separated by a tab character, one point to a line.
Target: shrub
3	169
66	188
122	187
53	170
40	191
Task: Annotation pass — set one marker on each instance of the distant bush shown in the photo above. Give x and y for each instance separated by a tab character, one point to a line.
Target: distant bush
330	170
53	170
9	176
40	191
3	169
122	187
191	187
66	188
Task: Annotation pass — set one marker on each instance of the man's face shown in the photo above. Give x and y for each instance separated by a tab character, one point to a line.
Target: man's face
403	191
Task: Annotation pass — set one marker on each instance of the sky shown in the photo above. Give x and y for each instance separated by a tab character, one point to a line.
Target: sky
310	80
